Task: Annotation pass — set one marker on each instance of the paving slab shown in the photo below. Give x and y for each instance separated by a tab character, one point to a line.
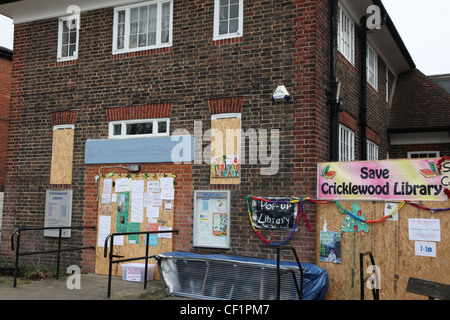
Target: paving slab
92	287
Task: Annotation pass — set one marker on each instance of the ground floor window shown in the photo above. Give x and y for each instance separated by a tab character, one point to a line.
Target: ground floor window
423	154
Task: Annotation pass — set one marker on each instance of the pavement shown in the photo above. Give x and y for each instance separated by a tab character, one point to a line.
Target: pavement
91	287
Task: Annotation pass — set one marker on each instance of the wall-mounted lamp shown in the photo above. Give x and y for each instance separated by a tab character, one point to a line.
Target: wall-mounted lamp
134	167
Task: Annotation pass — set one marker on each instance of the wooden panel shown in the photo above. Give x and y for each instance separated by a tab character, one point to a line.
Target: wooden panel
130	250
62	157
225	140
389	243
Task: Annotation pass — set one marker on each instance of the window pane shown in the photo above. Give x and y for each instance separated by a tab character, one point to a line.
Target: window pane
234	24
152	25
143	13
234	11
117	129
165	21
153	11
133	41
120	43
65	38
121	30
223	13
134	14
143	40
65	26
121	16
162	126
151	38
140	128
164	36
72	50
223	27
134	28
64	51
166	9
73	37
143	26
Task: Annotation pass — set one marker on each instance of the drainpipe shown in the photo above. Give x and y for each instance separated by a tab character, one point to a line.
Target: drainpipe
333	90
363	111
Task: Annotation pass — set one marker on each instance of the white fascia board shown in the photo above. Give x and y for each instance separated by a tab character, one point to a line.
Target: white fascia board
419	138
35	10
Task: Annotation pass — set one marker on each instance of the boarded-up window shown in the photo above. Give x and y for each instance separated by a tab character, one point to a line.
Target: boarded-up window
62	155
225	149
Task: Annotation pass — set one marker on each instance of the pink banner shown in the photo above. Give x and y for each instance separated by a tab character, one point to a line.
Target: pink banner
414	179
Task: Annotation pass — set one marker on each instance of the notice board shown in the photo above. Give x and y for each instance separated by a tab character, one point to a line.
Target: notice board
132	203
58	212
212	219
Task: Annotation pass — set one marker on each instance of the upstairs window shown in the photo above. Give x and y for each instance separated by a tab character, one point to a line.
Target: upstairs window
68	34
141	128
346	35
346	144
372	67
228	19
372	150
423	154
143	26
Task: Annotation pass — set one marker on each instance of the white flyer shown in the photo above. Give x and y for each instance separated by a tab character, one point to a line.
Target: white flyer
424	229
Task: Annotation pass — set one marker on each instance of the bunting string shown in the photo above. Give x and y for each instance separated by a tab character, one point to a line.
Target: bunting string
340	208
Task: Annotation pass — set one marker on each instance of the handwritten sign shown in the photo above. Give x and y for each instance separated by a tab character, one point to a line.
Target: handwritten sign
412	179
276	214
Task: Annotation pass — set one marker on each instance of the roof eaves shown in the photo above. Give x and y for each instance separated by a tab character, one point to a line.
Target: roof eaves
395	35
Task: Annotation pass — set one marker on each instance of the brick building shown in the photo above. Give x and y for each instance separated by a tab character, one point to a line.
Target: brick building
171	70
5	92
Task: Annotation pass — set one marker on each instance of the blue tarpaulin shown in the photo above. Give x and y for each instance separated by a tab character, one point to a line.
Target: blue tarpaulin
236	278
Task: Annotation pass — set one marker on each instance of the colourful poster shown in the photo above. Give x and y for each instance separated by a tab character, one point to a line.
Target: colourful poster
220	223
133	227
225	167
330	246
350	224
123	206
412	179
152	238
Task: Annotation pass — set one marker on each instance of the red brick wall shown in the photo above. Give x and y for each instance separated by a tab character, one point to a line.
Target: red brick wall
284	43
5	93
377	107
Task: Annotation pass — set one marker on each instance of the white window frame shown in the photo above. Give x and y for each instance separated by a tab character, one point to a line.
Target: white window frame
372	67
372	150
124	135
434	154
63	127
127	27
346	35
74	22
240	30
346	144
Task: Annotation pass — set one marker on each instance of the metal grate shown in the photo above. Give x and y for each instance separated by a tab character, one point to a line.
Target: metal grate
226	280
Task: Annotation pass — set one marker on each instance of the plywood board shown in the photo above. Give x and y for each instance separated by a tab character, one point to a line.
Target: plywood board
393	252
62	156
113	209
225	140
